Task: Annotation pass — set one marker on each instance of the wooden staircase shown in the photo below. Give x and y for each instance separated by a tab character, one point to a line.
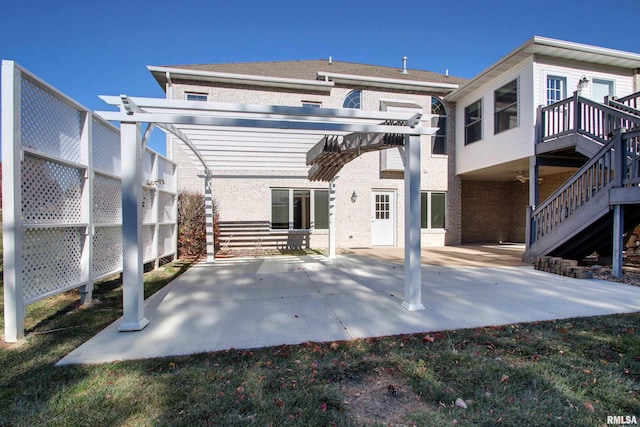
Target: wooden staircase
577	219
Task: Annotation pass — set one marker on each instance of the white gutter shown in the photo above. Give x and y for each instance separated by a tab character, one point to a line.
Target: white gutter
386	82
217	76
579	47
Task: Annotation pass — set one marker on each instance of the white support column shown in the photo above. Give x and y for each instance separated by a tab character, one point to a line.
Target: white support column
209	219
412	249
332	219
132	239
14	309
86	263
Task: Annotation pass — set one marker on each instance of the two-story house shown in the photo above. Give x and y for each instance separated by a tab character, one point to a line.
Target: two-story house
260	181
495	153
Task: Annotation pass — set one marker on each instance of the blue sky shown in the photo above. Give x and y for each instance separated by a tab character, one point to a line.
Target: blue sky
90	48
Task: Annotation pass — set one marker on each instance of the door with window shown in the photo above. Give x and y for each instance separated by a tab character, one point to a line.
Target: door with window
383	218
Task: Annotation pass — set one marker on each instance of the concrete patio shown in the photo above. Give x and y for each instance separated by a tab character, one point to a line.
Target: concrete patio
256	302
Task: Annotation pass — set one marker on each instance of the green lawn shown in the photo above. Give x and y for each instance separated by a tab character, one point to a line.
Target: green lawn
567	373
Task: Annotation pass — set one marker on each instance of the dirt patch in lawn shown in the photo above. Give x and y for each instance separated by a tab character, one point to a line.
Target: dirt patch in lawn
381	397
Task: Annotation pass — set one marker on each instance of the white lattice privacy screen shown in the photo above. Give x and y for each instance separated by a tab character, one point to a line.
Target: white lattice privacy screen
62	193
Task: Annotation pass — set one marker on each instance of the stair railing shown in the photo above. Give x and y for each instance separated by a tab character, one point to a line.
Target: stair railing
629	104
595	176
617	164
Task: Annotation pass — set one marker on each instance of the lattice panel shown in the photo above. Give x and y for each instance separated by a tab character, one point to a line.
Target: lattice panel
51	192
49	124
147	241
148	200
106	148
147	167
165	239
107	200
51	260
107	251
166	173
165	207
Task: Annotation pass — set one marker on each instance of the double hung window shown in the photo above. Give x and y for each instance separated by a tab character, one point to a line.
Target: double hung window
556	89
506	107
473	122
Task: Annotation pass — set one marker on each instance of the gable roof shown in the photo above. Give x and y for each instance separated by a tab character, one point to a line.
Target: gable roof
550	48
310	74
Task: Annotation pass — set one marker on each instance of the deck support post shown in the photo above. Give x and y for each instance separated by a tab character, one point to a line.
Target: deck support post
412	250
132	234
618	240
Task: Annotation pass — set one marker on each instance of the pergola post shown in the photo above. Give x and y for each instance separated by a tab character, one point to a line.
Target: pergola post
332	219
209	215
132	235
12	236
412	255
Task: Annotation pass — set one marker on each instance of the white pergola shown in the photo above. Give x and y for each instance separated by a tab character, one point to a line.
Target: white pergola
342	134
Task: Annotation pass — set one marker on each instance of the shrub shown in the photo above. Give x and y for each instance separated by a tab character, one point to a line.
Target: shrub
192	237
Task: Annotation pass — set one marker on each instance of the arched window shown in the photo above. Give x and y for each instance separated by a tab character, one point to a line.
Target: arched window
353	100
439	120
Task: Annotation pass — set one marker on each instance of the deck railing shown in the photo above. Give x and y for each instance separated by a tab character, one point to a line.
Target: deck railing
586	117
597	175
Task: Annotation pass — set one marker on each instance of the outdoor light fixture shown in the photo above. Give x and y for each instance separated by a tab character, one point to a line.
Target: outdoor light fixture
584	80
354	196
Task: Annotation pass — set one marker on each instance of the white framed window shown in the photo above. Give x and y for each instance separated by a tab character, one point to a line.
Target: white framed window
433	209
299	209
439	120
506	107
473	122
353	100
556	89
194	96
601	88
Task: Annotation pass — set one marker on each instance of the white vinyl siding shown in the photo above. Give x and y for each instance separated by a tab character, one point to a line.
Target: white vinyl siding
573	72
495	149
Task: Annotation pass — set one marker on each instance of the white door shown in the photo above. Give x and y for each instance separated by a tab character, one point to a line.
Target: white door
383	218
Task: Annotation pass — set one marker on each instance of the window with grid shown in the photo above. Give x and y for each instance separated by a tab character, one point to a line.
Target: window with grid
383	206
352	100
439	120
556	89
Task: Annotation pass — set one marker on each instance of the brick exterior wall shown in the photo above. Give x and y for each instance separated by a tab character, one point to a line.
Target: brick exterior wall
496	211
246	195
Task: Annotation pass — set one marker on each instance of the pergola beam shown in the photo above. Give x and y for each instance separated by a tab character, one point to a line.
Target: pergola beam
148	104
285	124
